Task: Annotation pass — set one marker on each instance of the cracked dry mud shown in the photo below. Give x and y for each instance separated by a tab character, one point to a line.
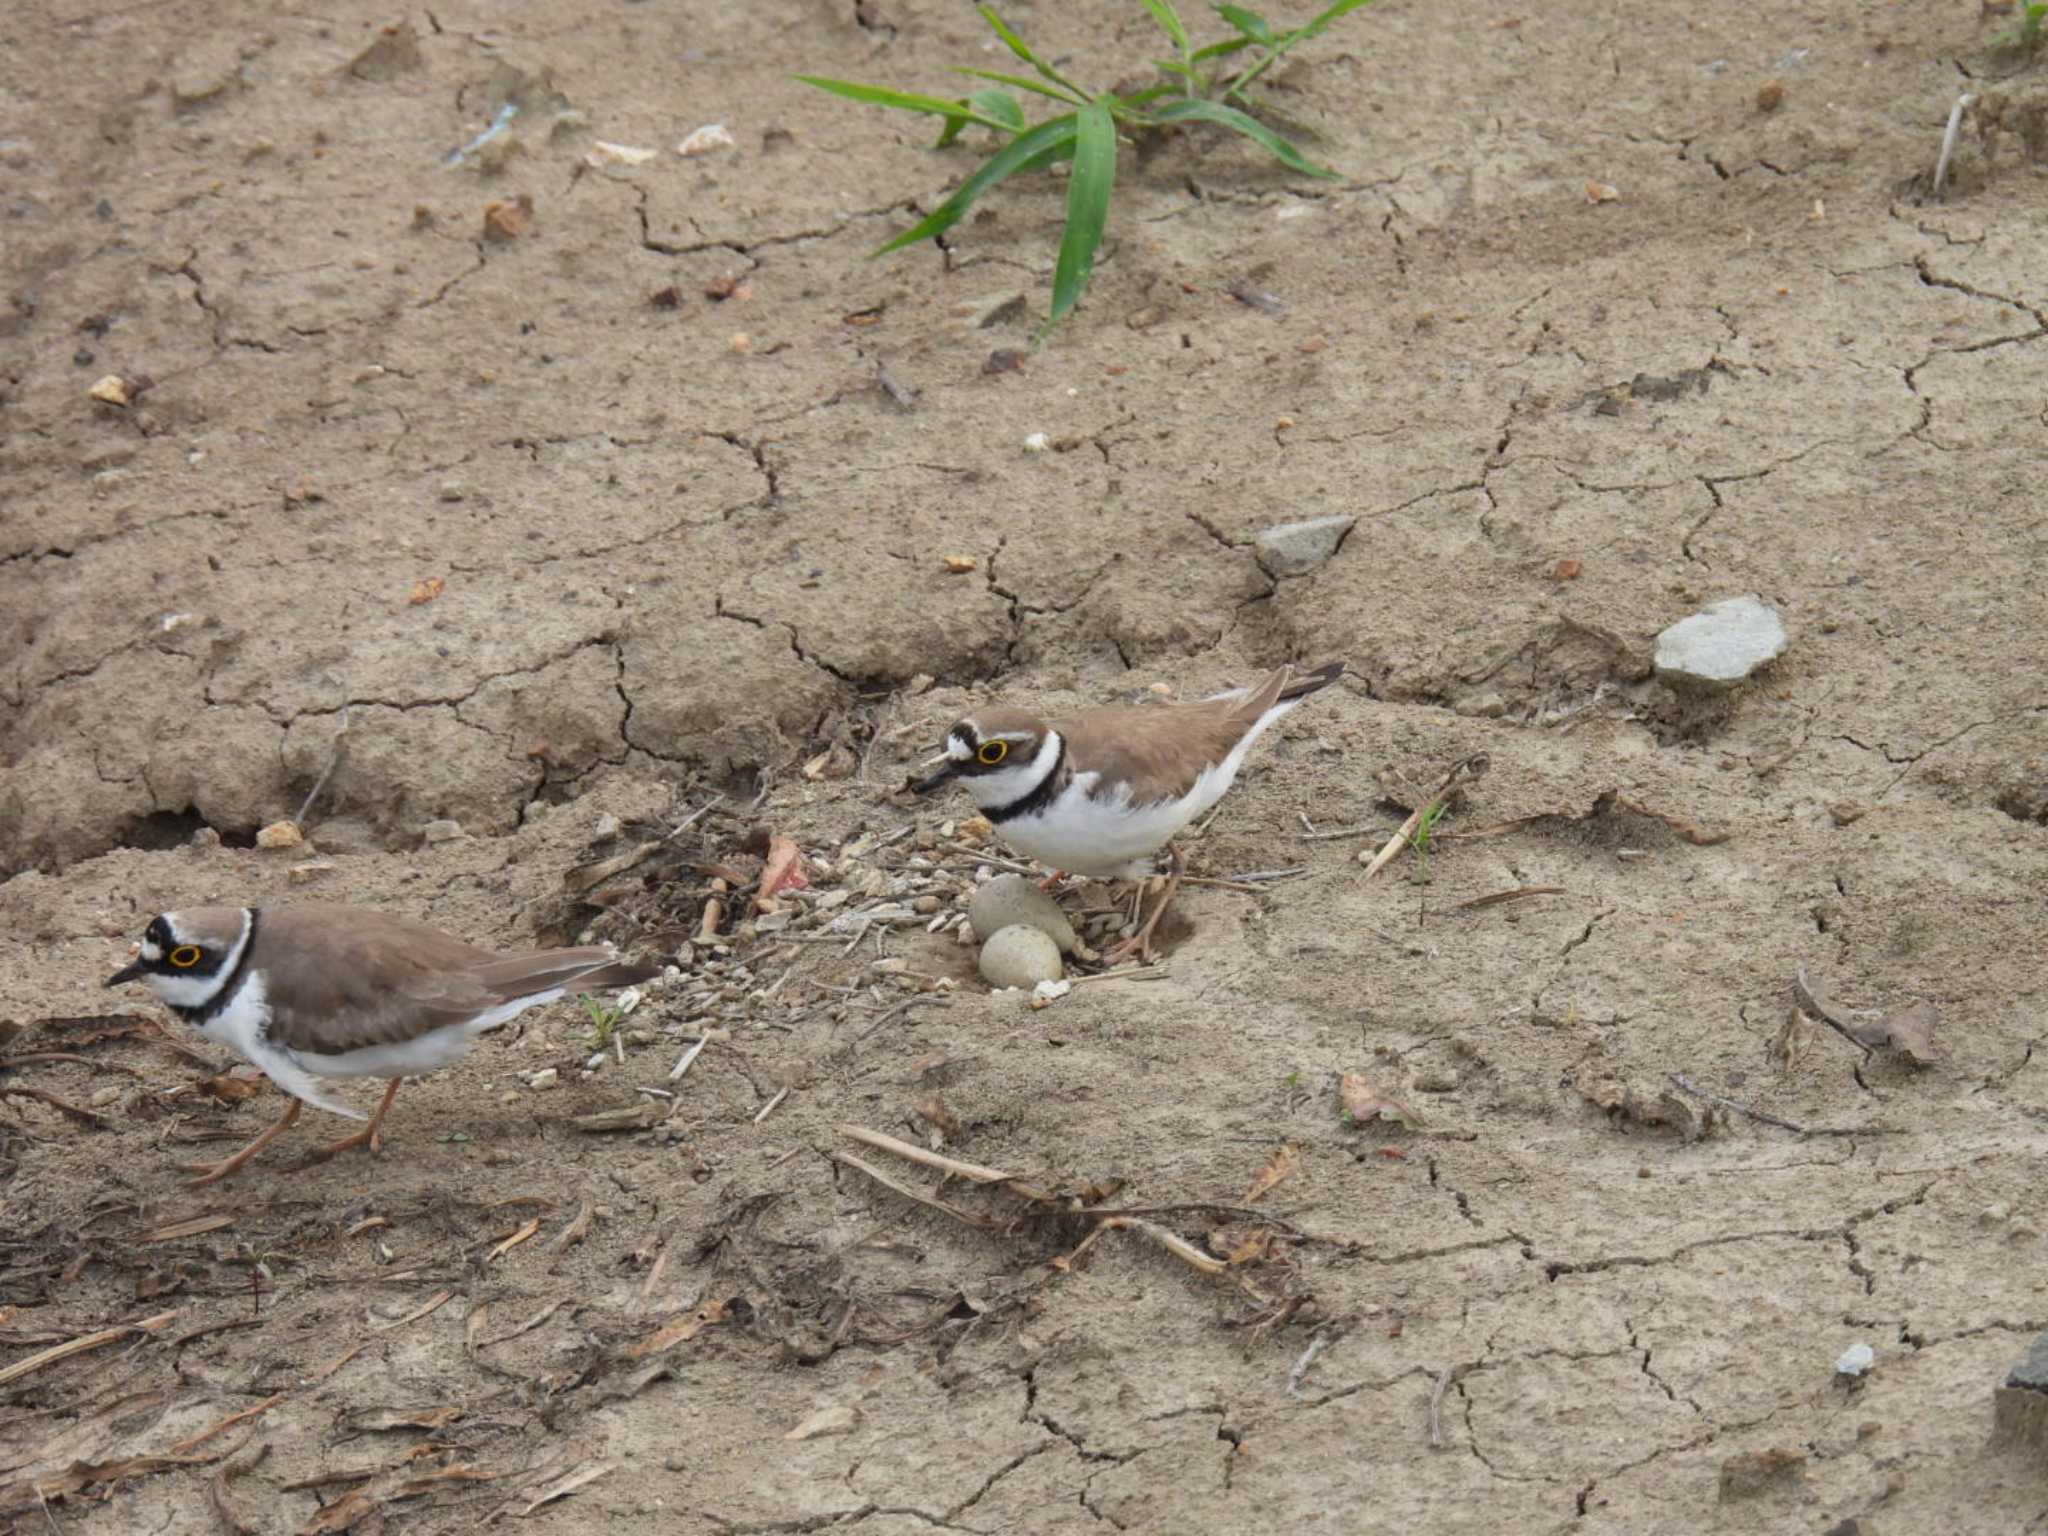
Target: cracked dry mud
672	565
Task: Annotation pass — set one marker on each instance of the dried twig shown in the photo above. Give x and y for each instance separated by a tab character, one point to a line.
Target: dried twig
573	1233
1472	766
1948	145
82	1343
24	1090
1519	893
333	761
1685	1084
1318	1342
887	1181
1436	1409
769	1108
973	1172
922	999
1313	836
983	856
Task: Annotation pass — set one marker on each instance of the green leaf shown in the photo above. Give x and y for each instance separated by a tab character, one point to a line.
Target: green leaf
1028	151
1251	128
904	101
1228	46
1002	106
1017	46
1088	192
1341	8
1016	80
1255	27
1169	22
998	105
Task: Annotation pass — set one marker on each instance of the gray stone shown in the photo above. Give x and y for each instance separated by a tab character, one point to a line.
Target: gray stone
1020	956
2032	1371
441	831
1011	899
1295	549
2019	1409
1721	644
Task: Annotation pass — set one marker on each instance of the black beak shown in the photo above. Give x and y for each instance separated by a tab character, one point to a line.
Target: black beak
926	786
128	972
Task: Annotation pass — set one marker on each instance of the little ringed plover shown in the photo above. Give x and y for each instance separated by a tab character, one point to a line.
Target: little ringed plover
318	991
1102	792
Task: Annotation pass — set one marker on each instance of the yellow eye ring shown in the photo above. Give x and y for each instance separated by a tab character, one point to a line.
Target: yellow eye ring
185	956
993	752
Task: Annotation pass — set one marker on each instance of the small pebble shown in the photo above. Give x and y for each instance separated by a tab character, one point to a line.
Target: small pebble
1020	956
105	1096
546	1077
1856	1360
280	834
441	831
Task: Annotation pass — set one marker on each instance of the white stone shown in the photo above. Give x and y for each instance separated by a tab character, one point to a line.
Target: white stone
1295	549
1721	644
1856	1360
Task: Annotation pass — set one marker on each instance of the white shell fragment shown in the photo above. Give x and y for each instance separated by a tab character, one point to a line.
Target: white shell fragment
603	154
701	141
1856	1360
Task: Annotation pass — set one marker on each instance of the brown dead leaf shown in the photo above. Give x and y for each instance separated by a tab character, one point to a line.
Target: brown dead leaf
784	871
1601	192
525	1231
230	1089
1363	1102
367	1421
679	1330
426	590
960	565
508	221
640	1116
1254	1248
1278	1166
568	1485
340	1515
933	1110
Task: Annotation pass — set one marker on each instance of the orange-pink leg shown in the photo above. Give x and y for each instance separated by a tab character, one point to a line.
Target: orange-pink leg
368	1136
1051	880
1140	943
211	1173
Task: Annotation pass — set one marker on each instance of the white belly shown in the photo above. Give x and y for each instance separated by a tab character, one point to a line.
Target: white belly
1109	839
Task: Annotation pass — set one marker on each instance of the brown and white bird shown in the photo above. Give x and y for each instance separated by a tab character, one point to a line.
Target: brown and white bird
318	991
1102	792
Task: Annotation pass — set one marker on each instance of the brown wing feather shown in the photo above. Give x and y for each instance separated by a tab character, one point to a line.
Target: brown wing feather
381	980
1165	747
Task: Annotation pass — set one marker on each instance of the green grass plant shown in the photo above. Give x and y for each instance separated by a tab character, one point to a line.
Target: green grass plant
1207	84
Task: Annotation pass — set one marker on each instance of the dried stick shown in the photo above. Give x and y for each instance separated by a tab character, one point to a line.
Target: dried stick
1474	766
1436	1408
966	1218
1318	1342
81	1344
948	1165
333	762
1948	145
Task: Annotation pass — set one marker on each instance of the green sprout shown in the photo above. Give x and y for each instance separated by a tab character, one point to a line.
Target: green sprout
1200	85
1419	840
604	1020
2025	34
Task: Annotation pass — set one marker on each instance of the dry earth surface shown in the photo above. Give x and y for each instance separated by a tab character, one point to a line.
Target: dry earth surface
580	531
